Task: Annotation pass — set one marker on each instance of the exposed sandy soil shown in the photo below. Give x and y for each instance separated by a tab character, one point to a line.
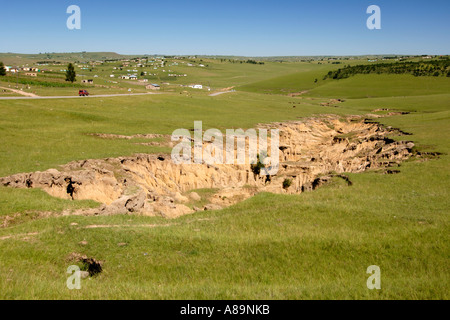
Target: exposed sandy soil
27	94
296	94
312	152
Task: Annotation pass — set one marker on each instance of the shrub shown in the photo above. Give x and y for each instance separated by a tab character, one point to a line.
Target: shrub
256	168
287	183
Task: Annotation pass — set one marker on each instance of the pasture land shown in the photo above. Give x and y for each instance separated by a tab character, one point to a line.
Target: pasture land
316	245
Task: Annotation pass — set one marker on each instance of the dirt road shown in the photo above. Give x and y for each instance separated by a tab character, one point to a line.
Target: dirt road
27	94
77	97
221	92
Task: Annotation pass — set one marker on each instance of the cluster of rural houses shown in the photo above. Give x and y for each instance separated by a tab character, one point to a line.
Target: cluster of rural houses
29	71
132	64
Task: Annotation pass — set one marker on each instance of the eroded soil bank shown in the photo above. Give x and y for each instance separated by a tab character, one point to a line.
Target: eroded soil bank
312	151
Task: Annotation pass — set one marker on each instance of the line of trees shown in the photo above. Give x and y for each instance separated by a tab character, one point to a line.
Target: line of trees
48	62
253	62
434	68
242	61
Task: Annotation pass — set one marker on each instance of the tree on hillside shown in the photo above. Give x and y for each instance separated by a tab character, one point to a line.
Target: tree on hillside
70	73
2	69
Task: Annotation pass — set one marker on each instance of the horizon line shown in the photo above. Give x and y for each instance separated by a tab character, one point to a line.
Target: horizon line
232	55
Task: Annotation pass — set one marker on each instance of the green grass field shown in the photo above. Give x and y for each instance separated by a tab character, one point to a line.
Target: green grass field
316	245
214	73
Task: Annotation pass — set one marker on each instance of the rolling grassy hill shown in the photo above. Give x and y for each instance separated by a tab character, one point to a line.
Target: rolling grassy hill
372	86
316	245
20	58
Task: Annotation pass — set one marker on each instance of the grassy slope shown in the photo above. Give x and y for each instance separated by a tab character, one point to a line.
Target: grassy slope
40	134
215	74
371	86
293	82
314	245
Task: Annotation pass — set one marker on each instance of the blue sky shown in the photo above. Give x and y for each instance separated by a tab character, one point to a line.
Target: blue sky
243	27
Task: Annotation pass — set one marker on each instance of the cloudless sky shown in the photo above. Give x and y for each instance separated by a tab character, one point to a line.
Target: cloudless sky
232	27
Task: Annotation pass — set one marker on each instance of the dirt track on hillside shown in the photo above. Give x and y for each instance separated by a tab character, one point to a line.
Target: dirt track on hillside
27	94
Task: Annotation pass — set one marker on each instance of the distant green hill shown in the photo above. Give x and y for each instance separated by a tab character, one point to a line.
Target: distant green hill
20	58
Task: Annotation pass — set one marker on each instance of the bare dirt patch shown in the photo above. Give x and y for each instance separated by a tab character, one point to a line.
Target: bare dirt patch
332	103
164	140
297	94
120	136
23	93
23	236
106	226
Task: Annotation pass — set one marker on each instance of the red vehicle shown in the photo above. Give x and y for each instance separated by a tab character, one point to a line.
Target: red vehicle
83	93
